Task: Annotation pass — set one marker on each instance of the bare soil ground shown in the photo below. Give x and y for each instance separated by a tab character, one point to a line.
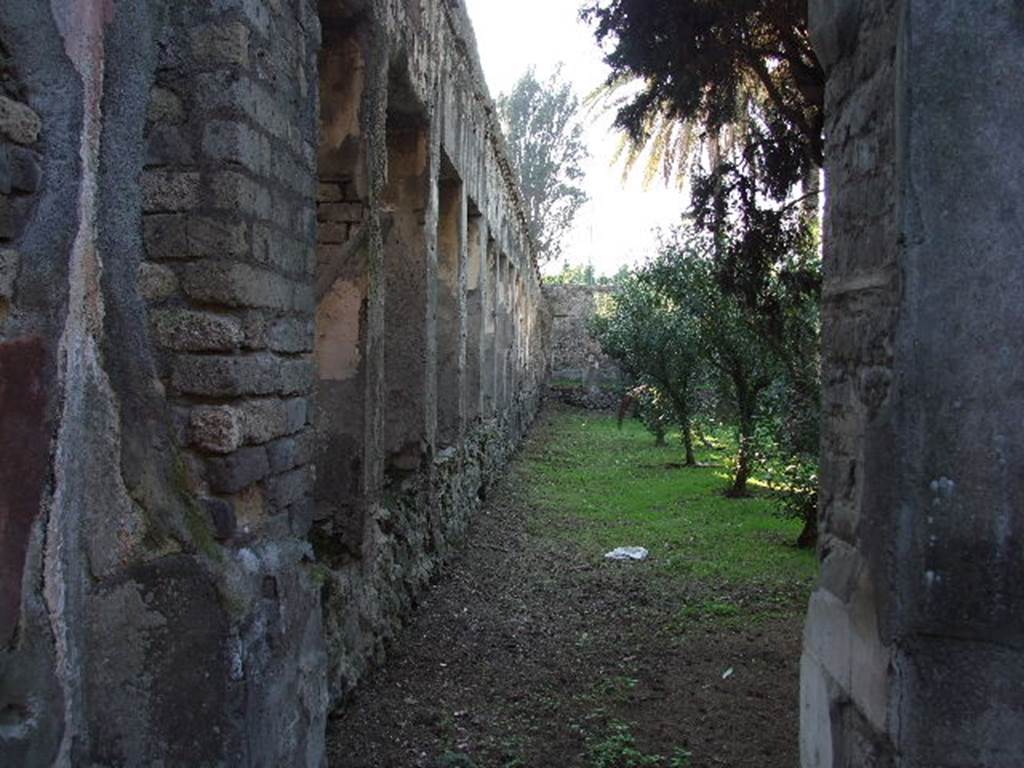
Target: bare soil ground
531	653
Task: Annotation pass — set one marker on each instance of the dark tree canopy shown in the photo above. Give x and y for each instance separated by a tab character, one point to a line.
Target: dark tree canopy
698	60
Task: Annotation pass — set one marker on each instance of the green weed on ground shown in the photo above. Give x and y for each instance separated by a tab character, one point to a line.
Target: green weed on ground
606	487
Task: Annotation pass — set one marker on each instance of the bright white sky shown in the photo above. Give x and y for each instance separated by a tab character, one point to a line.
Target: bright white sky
616	226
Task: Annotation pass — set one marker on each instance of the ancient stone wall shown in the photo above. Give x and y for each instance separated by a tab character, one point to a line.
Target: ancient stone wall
269	325
915	629
575	354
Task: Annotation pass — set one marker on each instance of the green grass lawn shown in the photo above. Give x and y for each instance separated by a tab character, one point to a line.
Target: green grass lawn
606	487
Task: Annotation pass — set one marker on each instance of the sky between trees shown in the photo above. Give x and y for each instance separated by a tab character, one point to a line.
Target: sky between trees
616	226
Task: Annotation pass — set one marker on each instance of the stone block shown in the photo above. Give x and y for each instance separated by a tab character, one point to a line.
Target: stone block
345	213
165	107
254	325
297	410
234	191
222	517
235	142
216	429
236	375
217	238
328	193
164	236
18	123
221	43
264	420
193	331
250	510
156	282
238	285
10	261
225	376
290	487
169	190
290	335
240	469
25	173
289	452
167	145
301	515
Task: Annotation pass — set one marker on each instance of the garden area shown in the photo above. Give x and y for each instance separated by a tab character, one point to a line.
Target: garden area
535	650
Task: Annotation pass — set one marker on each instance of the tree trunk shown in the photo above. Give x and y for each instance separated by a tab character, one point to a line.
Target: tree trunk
659	435
743	459
809	535
691	461
739	482
682	409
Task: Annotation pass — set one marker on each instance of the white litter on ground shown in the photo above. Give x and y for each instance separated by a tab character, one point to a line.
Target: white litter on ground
627	553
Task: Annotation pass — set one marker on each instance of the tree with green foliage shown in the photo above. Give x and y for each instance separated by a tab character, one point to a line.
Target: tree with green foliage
683	273
703	61
731	92
745	68
545	143
655	342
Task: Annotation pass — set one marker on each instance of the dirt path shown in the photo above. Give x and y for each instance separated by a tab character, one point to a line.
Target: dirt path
526	655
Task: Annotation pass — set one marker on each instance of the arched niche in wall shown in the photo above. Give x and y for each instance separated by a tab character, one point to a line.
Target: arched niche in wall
342	282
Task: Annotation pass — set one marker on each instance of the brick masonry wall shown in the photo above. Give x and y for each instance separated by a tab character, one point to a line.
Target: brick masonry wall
170	590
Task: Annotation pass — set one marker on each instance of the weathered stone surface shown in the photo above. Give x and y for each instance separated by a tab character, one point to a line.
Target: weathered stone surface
22	170
217	429
187	330
10	261
264	420
290	335
165	107
156	282
259	374
241	468
169	190
191	444
222	517
915	622
18	123
221	43
240	285
23	458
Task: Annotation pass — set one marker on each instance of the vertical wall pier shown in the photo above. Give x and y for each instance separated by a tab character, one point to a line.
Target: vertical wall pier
914	644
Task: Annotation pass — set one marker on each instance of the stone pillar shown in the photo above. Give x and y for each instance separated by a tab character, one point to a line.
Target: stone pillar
913	646
410	262
476	247
489	364
503	334
451	309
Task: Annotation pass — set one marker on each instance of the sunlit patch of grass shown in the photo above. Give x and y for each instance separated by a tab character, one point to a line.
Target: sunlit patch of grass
605	487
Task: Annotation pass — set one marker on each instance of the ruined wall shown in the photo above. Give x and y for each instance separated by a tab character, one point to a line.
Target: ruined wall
575	354
234	310
915	630
444	346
